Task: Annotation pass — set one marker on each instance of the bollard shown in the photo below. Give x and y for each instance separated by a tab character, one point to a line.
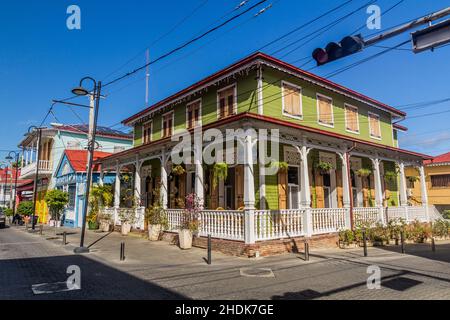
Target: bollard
306	251
64	238
122	251
364	242
433	245
209	250
402	239
41	229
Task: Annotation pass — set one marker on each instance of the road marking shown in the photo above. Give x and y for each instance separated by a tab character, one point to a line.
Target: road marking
257	273
18	243
49	288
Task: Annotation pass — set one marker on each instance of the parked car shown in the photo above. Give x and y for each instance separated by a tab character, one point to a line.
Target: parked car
2	219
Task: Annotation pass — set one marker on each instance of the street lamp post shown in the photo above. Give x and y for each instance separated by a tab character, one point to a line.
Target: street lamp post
36	174
96	92
10	157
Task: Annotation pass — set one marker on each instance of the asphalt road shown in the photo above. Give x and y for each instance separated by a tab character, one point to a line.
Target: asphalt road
159	270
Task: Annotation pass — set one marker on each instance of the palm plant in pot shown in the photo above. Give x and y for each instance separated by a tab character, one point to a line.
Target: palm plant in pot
157	221
101	197
190	221
127	218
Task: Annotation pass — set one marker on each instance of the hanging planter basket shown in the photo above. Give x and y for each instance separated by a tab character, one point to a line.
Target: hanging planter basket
390	176
280	166
178	170
412	179
324	167
364	172
220	173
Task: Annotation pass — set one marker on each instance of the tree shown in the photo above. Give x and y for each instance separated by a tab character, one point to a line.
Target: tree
25	208
56	201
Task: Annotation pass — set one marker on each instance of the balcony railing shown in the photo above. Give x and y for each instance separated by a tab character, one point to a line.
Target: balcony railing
45	167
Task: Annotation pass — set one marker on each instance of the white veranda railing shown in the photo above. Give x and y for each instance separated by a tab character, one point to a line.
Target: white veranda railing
366	216
328	220
279	224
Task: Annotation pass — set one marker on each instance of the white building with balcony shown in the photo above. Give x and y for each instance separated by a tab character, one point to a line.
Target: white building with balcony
54	141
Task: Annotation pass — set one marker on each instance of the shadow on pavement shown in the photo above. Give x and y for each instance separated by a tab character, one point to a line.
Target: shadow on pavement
98	281
423	250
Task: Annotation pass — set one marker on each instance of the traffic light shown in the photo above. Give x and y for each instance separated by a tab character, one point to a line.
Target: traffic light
337	50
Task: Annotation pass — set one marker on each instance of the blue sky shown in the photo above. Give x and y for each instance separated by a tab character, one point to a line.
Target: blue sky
40	59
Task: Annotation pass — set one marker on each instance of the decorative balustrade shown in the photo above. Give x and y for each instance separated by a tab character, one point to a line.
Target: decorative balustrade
370	215
328	220
276	224
279	224
222	224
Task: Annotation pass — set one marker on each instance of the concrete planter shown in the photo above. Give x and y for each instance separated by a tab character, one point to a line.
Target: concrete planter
105	226
125	228
154	231
185	238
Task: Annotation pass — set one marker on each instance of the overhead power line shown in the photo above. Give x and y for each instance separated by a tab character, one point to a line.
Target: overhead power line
186	43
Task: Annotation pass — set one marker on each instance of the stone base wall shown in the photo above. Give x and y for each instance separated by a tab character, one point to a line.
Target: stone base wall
263	248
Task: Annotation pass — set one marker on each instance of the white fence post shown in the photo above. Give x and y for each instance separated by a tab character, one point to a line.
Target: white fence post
249	218
308	223
382	216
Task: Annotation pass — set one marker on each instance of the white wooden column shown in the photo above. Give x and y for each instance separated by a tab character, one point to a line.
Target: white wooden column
378	188
117	194
260	90
403	194
346	188
137	182
199	188
424	191
305	190
100	179
249	191
163	180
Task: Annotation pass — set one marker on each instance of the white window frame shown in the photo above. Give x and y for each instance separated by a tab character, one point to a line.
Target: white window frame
347	105
200	112
235	99
370	127
299	186
318	110
151	130
162	123
286	114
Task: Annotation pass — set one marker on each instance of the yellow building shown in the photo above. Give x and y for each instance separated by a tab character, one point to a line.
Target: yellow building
437	180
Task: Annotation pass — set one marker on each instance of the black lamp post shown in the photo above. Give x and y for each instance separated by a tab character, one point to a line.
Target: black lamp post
11	157
5	172
31	130
96	92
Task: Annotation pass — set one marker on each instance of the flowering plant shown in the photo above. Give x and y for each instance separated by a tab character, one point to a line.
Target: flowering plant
191	213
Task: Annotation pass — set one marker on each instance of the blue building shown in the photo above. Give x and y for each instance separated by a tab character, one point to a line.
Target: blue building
70	177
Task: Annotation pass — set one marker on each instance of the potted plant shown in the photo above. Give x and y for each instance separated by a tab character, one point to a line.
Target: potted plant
25	209
412	179
346	239
220	172
126	217
105	222
190	221
9	213
157	222
178	170
56	202
390	176
324	167
279	166
364	172
101	197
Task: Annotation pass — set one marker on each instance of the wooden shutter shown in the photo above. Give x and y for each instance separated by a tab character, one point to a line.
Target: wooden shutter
214	194
352	118
239	186
291	96
282	189
339	189
320	194
374	121
325	110
226	102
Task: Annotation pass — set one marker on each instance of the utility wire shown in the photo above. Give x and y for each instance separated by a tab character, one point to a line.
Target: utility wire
185	44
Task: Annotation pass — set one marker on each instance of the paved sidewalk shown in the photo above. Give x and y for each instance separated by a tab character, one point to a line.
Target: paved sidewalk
330	274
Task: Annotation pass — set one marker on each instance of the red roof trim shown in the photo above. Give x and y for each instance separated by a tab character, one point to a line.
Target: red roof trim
260	55
443	158
278	122
400	127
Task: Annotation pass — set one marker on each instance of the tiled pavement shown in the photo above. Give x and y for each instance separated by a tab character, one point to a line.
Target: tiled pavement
155	270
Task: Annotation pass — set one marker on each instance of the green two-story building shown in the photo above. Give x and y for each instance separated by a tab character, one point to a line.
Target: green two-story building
336	159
